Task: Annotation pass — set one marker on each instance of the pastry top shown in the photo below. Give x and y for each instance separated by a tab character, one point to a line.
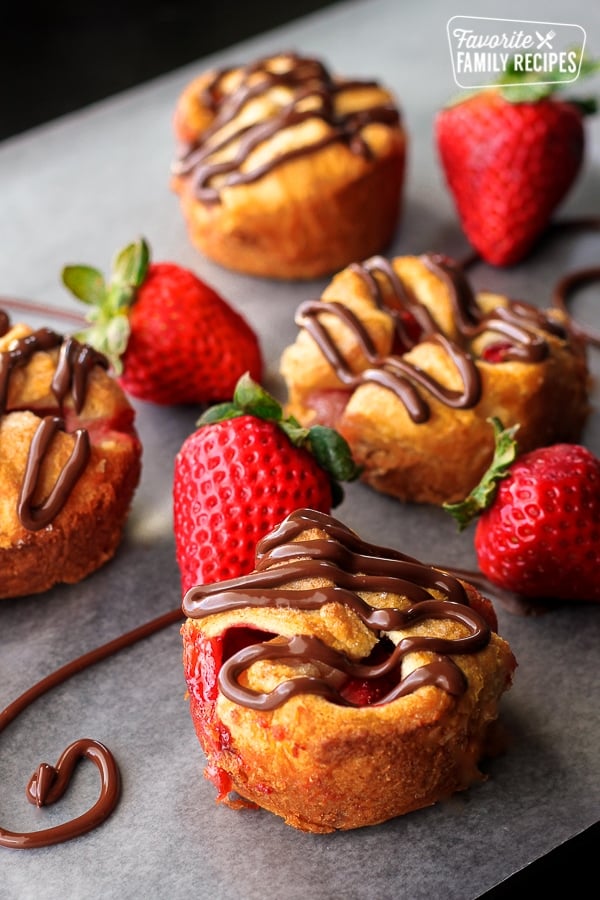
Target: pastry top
43	370
329	598
409	363
61	416
372	327
239	124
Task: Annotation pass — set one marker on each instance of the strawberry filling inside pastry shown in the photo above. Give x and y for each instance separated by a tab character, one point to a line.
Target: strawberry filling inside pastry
333	658
408	363
328	405
69	459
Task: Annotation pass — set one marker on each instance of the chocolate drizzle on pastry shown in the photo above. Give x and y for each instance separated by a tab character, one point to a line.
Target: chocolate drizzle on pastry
35	517
75	361
518	325
313	96
353	566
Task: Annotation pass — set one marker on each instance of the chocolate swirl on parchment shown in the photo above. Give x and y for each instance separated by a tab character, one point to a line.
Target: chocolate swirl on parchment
75	360
353	566
517	326
48	783
223	149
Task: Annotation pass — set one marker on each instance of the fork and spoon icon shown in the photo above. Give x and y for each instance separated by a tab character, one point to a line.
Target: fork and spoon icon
545	41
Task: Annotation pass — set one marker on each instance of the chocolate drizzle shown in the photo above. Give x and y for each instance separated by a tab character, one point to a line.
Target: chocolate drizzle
75	361
48	783
313	95
35	517
563	292
517	325
352	566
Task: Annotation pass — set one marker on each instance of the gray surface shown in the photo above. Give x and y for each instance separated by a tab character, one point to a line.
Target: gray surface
75	191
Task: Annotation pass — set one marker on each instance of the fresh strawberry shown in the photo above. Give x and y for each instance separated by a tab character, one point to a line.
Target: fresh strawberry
170	337
510	154
538	534
240	473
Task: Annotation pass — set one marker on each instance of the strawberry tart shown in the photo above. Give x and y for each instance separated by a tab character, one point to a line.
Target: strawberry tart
409	364
341	684
70	460
285	170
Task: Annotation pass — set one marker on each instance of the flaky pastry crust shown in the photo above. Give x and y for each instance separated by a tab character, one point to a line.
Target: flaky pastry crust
319	763
413	324
85	532
319	170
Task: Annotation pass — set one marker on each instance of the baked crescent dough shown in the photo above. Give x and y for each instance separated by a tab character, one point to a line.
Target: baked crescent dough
409	364
70	460
286	171
341	684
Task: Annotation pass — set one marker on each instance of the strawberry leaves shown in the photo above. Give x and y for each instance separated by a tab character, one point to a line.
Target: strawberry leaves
109	303
482	496
85	282
518	86
328	447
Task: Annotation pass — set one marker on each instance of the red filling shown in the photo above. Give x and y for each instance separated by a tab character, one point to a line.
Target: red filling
118	426
366	691
405	322
204	657
202	660
328	405
496	353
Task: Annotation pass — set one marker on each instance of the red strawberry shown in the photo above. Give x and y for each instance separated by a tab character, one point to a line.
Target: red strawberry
539	530
170	337
243	471
510	154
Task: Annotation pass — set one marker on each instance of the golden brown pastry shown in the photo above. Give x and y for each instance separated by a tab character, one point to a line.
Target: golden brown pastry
69	460
341	684
409	365
286	171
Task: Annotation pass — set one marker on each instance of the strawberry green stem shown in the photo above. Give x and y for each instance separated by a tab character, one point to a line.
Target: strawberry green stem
482	496
328	447
109	303
518	86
